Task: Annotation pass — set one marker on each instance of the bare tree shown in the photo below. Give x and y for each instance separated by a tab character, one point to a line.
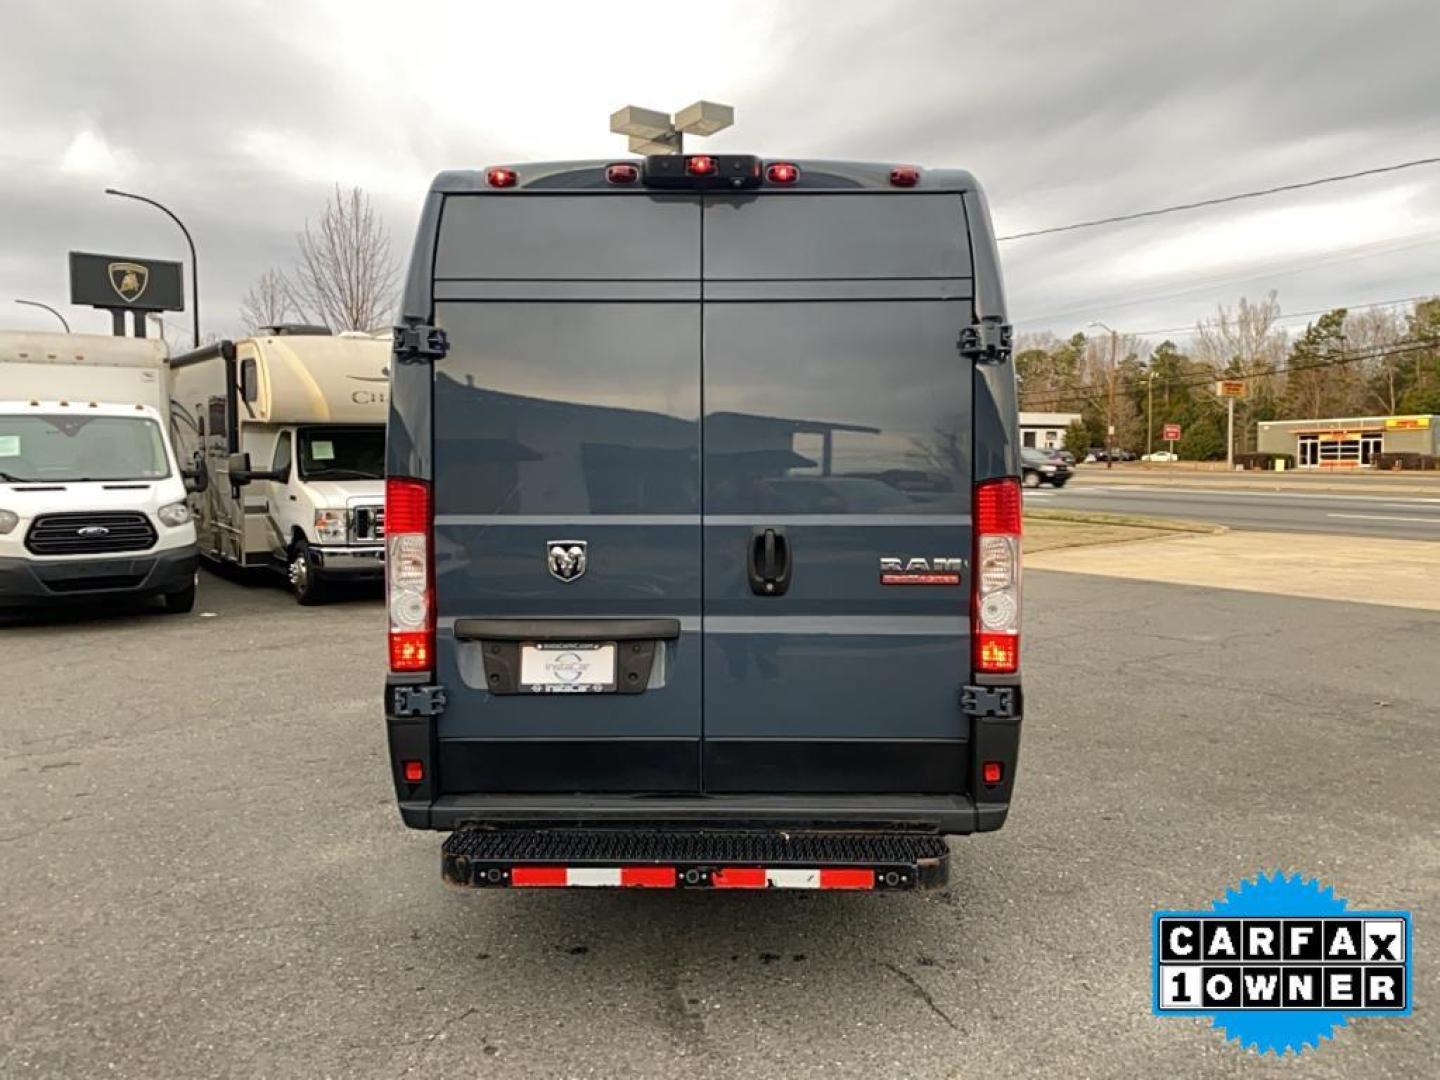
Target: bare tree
346	274
268	302
1247	343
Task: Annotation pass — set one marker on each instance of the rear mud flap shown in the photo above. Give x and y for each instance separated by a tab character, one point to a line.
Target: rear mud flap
526	858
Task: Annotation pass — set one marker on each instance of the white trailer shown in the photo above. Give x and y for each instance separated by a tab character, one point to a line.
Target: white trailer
289	427
92	496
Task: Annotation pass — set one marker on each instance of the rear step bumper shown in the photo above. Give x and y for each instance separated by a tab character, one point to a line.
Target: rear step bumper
944	814
531	858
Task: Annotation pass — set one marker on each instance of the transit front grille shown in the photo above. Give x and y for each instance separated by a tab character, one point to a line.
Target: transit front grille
369	523
94	533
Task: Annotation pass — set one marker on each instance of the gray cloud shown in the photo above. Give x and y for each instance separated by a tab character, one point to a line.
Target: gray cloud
242	115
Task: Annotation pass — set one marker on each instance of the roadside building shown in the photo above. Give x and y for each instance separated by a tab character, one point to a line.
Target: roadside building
1349	442
1045	430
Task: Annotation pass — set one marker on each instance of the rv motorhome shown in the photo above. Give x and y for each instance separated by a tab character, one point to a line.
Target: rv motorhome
289	427
92	498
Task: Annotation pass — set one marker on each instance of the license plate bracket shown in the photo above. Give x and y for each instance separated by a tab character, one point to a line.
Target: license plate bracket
567	667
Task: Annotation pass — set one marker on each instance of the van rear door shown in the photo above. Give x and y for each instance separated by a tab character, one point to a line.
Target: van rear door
566	445
837	466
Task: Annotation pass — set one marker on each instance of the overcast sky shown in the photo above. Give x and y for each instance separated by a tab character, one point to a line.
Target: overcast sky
242	114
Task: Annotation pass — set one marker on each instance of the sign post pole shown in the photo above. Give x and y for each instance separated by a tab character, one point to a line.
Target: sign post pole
1230	434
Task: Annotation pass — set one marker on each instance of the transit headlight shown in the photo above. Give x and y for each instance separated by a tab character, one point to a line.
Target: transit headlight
8	520
174	514
330	526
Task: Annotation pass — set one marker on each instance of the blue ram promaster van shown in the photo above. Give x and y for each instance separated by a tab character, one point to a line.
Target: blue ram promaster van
703	524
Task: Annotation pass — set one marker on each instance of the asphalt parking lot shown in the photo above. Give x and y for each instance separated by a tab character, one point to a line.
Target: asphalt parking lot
204	874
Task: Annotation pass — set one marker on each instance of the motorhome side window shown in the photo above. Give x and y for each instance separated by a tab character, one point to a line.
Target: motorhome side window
249	380
281	464
217	416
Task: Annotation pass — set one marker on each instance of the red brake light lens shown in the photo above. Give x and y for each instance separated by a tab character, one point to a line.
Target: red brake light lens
700	165
997	507
414	772
622	173
498	177
905	176
992	772
407	505
782	172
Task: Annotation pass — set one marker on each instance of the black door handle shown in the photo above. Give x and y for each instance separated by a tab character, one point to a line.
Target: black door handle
769	562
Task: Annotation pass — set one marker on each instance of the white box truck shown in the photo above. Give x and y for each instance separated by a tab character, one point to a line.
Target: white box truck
92	496
289	428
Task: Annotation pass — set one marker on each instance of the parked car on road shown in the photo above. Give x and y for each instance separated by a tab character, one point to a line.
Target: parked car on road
1161	455
1043	467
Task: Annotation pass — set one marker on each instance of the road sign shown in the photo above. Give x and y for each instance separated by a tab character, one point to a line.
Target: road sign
1230	388
1170	432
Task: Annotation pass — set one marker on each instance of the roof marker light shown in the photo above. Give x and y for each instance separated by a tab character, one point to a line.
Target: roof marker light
782	172
622	172
905	176
700	165
500	177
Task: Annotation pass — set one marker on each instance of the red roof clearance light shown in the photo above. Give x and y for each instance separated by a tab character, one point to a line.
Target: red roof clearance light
700	165
499	177
782	172
622	172
905	176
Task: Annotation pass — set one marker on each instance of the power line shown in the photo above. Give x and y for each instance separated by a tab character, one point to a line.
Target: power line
1293	315
1057	397
1219	200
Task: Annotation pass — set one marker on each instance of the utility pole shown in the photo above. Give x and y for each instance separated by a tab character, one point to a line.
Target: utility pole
1149	411
1114	375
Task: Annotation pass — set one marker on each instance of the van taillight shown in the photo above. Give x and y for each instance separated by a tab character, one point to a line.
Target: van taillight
622	173
409	574
700	165
995	617
782	172
904	176
498	177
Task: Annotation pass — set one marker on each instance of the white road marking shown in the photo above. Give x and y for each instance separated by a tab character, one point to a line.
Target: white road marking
1384	517
1226	493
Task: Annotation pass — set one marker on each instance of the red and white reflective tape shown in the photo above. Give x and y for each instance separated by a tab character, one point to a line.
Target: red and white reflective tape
632	877
668	877
759	877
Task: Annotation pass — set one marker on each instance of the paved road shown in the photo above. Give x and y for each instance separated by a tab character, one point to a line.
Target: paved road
204	874
1404	517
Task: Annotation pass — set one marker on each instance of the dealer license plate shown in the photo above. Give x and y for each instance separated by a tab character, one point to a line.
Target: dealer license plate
567	667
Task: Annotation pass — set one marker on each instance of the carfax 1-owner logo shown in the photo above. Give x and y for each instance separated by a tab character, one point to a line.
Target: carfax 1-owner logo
1280	962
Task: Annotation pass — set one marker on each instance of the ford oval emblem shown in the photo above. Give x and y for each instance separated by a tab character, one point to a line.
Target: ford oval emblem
93	530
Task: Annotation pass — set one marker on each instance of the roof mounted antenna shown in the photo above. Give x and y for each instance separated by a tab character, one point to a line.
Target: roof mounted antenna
654	132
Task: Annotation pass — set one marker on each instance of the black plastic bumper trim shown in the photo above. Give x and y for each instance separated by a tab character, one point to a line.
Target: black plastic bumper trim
943	814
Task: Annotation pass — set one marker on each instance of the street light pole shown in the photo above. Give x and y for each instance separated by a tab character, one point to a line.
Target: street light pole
194	262
47	307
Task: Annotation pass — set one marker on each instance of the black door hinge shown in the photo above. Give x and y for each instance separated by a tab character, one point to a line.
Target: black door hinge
1002	701
420	344
987	342
417	700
